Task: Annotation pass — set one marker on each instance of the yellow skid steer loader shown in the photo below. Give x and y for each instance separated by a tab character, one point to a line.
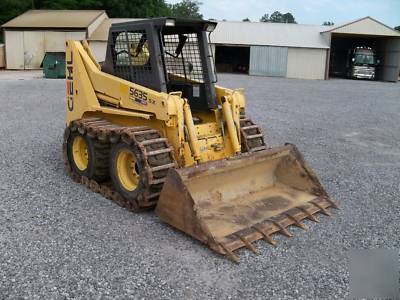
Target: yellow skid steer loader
149	128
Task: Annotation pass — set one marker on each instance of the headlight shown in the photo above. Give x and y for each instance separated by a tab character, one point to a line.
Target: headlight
170	22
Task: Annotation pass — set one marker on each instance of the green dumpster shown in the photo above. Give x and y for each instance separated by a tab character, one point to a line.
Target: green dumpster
54	65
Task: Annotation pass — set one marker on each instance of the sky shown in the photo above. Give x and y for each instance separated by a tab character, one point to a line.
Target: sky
305	11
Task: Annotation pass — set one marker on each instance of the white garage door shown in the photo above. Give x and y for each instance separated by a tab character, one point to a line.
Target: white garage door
26	49
54	41
78	35
306	63
33	49
268	61
14	50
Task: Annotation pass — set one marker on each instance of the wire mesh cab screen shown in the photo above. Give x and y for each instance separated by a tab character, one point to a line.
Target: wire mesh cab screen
184	63
131	48
182	58
164	58
132	57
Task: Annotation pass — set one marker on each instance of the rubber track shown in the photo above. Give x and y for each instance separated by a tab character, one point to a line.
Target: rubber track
155	152
251	136
107	133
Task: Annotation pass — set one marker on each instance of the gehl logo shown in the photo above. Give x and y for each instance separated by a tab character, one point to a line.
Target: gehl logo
70	84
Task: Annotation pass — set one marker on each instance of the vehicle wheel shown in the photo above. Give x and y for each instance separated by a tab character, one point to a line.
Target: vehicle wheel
126	170
88	157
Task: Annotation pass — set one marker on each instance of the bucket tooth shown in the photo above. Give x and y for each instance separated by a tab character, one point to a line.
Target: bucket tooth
323	209
332	203
248	245
229	204
232	256
266	236
309	215
269	240
282	229
296	222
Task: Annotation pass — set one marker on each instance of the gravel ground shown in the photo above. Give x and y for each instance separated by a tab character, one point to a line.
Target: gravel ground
58	239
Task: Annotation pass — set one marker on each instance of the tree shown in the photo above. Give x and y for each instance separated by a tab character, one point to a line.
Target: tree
288	18
397	28
130	8
11	8
278	17
246	20
328	23
186	9
265	18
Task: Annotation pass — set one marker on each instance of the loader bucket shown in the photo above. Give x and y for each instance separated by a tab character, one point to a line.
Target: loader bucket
228	204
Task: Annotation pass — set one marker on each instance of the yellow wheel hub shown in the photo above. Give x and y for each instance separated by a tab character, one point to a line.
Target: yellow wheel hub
80	153
126	170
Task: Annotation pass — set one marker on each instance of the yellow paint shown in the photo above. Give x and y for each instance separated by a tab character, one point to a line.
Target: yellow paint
90	53
166	112
191	132
233	133
80	153
126	170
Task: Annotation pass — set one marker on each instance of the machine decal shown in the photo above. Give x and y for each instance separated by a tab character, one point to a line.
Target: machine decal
138	96
70	84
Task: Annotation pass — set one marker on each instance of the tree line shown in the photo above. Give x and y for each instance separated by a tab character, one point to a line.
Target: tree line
130	9
114	8
279	17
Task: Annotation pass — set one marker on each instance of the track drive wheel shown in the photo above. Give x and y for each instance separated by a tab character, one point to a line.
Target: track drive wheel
88	157
126	170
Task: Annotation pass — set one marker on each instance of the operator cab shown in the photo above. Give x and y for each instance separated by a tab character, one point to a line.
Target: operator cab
165	55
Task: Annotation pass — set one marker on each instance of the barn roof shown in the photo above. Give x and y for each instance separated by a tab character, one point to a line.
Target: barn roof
272	34
366	25
248	33
77	19
101	32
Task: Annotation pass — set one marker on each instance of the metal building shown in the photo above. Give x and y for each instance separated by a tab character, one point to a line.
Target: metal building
29	36
271	49
301	51
265	49
367	32
287	50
